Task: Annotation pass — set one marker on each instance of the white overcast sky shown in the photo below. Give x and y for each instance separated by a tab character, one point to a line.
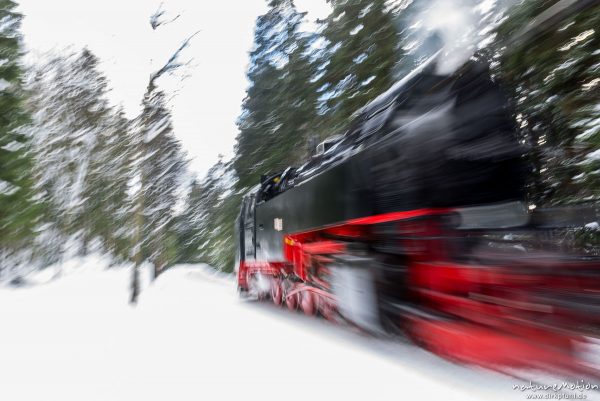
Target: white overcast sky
119	33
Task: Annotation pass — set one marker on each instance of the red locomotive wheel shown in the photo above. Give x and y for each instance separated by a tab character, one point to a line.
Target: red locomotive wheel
276	292
308	303
292	301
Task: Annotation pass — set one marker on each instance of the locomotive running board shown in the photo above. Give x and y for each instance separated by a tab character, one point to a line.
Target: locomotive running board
500	215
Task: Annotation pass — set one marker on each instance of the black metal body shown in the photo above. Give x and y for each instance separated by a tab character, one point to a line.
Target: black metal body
430	141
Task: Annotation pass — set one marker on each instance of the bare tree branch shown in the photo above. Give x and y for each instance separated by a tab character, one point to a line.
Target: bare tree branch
155	19
172	64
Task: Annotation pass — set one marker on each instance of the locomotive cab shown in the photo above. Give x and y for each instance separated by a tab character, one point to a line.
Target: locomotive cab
245	231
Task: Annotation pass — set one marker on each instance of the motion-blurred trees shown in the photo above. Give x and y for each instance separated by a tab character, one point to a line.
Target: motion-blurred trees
205	228
553	71
190	225
279	111
82	173
357	63
106	183
108	201
90	159
279	117
18	209
160	166
82	156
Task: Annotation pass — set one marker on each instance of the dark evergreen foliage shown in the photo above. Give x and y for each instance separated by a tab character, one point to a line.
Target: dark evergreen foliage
19	211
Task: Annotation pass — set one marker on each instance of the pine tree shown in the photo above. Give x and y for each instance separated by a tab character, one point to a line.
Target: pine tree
554	78
279	111
190	224
358	60
161	167
158	165
107	211
81	152
206	227
18	211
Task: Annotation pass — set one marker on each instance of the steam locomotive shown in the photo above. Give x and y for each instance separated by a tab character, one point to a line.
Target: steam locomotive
415	221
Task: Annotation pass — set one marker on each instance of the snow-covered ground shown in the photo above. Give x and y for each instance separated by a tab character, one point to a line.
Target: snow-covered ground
190	338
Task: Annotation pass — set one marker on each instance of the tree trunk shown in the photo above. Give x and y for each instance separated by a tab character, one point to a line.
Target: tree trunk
135	275
135	283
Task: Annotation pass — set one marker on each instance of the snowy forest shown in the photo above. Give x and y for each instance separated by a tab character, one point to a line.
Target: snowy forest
78	176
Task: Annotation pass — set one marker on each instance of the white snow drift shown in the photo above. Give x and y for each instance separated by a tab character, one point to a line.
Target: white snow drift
190	338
